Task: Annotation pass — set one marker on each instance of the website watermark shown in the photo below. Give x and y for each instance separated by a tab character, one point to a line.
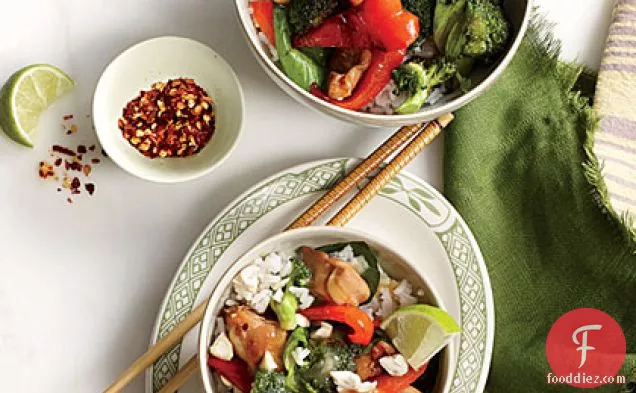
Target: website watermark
583	378
585	348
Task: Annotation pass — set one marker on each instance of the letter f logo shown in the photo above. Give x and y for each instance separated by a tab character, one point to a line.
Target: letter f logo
584	347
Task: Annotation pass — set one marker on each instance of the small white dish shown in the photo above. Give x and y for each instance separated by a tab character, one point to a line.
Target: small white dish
158	60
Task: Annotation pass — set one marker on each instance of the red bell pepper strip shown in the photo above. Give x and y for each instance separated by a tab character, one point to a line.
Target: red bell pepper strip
263	15
236	371
380	24
389	384
359	321
373	81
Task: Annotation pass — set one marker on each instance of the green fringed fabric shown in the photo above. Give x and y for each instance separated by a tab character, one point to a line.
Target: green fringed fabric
520	169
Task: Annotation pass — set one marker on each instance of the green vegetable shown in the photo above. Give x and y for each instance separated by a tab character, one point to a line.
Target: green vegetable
476	29
298	338
319	55
372	274
299	67
300	275
424	10
286	310
305	14
325	356
268	382
418	82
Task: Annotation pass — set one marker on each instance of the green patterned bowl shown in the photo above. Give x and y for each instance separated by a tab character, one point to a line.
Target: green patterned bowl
391	260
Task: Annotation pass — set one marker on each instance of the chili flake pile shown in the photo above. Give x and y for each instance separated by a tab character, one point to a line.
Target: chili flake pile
173	119
70	164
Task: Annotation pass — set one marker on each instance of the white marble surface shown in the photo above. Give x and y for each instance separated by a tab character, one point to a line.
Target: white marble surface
80	284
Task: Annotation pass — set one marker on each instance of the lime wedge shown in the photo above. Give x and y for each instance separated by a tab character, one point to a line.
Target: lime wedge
419	332
26	95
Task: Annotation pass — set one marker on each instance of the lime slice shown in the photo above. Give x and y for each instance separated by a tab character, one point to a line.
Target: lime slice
419	332
26	95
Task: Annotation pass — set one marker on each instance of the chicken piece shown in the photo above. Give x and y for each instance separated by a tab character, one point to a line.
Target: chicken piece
341	85
367	366
410	389
334	280
252	336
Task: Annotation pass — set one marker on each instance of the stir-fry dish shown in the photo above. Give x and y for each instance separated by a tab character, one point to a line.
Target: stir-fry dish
382	56
325	320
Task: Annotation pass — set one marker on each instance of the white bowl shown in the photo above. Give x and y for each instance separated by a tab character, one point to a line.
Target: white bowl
391	261
517	11
160	59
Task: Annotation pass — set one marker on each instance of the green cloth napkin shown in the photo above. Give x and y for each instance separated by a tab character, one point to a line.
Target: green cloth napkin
519	169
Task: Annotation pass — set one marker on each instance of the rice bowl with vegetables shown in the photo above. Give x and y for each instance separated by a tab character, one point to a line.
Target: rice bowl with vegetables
382	56
323	319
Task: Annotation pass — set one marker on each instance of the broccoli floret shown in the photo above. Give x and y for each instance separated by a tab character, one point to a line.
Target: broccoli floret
418	81
298	338
476	29
305	14
424	10
268	382
325	356
300	275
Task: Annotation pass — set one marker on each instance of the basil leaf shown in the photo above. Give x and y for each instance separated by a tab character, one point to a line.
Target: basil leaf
372	274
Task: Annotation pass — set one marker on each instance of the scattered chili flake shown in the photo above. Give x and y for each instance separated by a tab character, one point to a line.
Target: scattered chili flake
73	165
58	162
46	170
59	189
75	183
81	149
91	148
104	153
90	187
95	161
87	170
68	117
69	200
66	183
63	150
173	119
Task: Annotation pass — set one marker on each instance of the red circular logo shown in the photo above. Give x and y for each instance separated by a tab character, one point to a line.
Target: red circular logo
585	348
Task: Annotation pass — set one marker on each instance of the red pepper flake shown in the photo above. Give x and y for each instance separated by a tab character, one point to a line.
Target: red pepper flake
59	189
46	170
73	165
91	148
58	162
104	153
63	150
87	170
68	117
173	119
95	161
69	200
90	187
75	183
81	149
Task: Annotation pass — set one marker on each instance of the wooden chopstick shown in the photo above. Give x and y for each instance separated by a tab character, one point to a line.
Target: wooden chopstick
432	130
357	175
166	342
374	161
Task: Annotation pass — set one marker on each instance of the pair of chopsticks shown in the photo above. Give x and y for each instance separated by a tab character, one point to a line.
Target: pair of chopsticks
419	137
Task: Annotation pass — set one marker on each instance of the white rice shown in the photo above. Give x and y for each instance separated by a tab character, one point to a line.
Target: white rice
386	101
